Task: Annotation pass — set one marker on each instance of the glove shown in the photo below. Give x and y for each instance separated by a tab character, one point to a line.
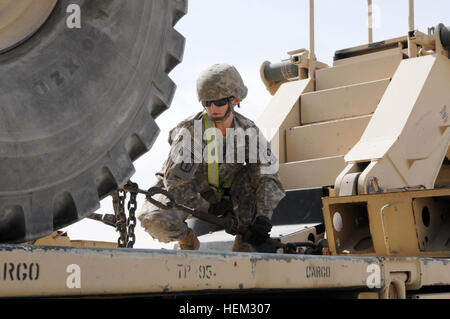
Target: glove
231	224
221	208
259	231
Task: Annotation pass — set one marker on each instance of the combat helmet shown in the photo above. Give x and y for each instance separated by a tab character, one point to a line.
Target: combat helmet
220	81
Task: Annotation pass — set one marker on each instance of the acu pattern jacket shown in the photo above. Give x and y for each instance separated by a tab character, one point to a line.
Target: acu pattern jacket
246	159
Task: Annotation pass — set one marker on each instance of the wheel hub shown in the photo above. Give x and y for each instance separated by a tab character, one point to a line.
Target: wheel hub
19	19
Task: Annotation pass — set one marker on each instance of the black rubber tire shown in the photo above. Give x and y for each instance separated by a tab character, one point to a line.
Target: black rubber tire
77	107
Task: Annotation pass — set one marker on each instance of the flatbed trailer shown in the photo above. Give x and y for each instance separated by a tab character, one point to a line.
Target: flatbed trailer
51	271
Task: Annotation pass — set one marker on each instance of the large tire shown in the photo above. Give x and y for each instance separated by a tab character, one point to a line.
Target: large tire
77	106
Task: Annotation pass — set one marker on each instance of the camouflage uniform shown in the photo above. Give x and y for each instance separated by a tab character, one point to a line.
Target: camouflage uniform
255	189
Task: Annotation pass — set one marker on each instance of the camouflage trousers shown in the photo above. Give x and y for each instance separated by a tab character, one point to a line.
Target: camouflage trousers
251	195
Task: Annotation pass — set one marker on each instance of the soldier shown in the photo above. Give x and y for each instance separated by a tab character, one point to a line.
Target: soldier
195	174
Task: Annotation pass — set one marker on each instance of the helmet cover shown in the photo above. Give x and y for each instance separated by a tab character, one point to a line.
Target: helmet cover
220	81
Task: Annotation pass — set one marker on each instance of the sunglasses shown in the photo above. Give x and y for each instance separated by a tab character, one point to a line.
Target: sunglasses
221	102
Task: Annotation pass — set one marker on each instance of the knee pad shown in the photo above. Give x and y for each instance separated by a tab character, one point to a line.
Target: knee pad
164	226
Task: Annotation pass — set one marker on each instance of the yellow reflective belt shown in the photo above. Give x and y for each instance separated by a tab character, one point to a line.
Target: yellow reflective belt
213	168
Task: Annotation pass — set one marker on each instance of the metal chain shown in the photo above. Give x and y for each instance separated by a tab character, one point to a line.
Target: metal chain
131	222
121	219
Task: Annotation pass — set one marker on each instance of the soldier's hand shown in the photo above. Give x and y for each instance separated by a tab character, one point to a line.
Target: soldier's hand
224	207
259	231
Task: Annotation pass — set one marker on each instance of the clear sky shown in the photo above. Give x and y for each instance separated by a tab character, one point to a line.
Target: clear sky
246	33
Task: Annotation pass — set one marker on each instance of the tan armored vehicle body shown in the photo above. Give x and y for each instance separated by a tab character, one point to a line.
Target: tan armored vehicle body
363	143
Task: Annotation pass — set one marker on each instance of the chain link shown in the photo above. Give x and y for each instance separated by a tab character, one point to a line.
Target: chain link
131	222
121	219
125	226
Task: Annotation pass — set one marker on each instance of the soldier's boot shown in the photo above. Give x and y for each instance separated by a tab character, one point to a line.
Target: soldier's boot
240	245
189	242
